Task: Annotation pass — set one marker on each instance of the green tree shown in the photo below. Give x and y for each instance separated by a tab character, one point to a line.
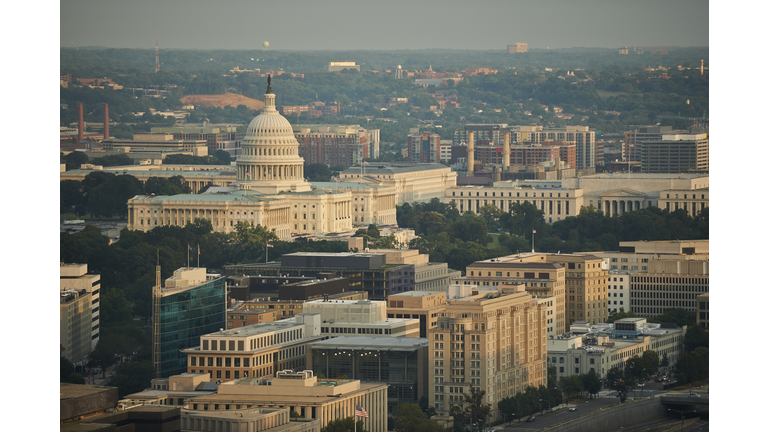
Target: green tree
571	385
678	316
67	372
74	159
694	366
651	362
620	381
344	425
592	382
71	196
317	172
132	377
222	157
425	408
409	417
523	218
620	315
695	337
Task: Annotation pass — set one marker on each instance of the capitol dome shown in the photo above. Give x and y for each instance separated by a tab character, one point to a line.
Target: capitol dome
269	161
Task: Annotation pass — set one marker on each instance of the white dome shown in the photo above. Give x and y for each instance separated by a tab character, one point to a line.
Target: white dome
269	123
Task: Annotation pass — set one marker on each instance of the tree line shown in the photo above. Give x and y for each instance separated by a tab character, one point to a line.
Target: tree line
463	239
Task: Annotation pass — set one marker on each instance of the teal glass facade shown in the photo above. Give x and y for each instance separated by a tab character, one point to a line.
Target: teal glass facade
184	317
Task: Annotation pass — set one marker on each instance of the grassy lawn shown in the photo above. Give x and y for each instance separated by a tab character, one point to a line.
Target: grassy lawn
495	237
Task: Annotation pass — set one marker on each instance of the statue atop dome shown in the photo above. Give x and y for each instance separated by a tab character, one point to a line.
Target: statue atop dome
269	84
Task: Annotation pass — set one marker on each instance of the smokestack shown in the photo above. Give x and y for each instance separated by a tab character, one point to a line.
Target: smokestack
702	67
505	152
471	155
80	127
106	121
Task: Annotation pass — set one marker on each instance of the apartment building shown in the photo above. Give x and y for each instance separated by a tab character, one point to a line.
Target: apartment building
424	147
495	342
345	145
618	291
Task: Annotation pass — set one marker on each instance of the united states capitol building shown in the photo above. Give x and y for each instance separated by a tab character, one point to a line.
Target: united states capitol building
270	190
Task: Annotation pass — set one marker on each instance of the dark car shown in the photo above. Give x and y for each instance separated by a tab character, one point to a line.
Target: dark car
531	418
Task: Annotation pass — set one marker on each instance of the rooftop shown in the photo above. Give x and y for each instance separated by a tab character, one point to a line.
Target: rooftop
243	196
371	343
69	391
417	293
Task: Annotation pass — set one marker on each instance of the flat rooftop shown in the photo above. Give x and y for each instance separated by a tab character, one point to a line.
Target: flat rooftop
416	293
369	343
69	391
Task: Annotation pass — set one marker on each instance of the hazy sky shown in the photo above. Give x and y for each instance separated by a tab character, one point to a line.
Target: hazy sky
383	24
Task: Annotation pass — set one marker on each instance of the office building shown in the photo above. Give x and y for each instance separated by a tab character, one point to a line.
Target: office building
616	193
157	144
556	202
362	318
423	147
425	306
191	304
303	392
79	311
676	153
414	182
427	276
692	201
618	291
494	342
634	256
669	283
400	363
369	272
287	308
604	346
339	66
91	408
218	138
247	419
257	350
518	47
702	314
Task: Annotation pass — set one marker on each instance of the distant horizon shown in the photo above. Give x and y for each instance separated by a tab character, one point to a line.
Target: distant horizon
356	25
386	50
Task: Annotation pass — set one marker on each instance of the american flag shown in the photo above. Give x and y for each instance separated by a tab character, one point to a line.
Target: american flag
269	245
360	412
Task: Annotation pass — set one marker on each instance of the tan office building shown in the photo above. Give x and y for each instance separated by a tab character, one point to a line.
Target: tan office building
495	342
541	279
425	306
326	400
669	283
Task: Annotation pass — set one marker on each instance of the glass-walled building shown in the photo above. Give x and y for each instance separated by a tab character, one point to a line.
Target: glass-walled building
399	362
191	304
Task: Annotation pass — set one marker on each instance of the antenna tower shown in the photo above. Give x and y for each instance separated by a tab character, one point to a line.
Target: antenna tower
157	57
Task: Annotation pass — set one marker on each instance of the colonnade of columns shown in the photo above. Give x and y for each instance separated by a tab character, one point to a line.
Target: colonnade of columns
612	207
270	172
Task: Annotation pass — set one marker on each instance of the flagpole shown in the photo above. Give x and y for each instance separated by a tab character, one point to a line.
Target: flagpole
267	251
187	255
198	256
533	241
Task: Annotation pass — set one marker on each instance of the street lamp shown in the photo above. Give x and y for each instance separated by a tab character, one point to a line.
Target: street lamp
542	400
682	416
